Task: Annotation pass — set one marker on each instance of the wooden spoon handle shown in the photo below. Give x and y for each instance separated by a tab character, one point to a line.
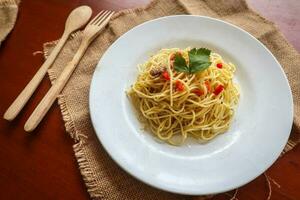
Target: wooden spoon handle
29	89
43	107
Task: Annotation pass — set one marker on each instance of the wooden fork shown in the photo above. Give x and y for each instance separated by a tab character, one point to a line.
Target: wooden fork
91	31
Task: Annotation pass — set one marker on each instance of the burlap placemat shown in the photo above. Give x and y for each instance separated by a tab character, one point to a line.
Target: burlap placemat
103	178
8	16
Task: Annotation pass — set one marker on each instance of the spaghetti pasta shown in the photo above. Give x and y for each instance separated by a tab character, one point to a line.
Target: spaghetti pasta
175	105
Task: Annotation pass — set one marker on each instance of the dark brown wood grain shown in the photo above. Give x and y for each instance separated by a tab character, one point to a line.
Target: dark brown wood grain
41	165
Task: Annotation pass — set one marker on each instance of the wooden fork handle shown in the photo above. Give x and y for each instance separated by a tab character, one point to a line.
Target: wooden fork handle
43	107
29	89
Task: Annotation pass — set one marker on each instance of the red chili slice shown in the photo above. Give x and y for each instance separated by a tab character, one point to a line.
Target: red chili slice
198	92
166	75
219	65
179	86
218	89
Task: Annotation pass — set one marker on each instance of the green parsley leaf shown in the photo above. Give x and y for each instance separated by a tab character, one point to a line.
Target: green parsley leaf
198	61
180	63
199	55
199	67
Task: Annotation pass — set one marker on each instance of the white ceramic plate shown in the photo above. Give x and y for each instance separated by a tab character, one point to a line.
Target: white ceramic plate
257	136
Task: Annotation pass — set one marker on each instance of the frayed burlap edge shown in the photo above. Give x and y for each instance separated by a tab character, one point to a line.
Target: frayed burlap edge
289	146
139	9
78	147
86	171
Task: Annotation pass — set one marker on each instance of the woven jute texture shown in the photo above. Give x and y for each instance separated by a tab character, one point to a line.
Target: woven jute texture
103	178
8	16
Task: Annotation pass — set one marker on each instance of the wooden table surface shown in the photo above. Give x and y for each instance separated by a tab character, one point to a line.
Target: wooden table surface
41	165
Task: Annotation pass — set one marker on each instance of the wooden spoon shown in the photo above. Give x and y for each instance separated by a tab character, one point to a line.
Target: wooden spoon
77	19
